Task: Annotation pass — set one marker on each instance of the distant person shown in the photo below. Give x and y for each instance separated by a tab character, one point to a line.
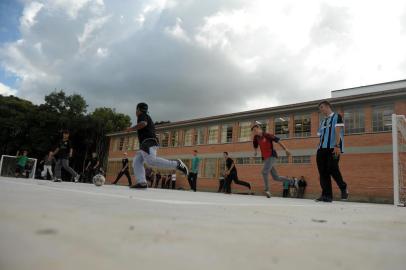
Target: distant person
48	161
21	163
221	183
168	181
92	167
62	153
265	142
293	187
231	175
163	184
192	177
148	149
302	186
331	133
157	179
124	170
285	185
148	175
173	179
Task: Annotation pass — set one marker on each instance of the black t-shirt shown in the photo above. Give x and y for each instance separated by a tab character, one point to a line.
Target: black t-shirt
124	161
229	163
64	149
147	132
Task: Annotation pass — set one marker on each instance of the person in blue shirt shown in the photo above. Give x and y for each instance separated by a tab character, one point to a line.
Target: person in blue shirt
192	177
331	146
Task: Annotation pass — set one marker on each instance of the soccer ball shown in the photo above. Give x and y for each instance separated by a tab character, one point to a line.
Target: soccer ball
99	180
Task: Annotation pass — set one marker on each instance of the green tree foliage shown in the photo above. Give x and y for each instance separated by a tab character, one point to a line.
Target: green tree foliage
37	128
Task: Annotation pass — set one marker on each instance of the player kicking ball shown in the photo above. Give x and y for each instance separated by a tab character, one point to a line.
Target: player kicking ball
148	147
265	142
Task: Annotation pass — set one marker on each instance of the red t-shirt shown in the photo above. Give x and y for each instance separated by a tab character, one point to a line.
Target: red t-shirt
265	143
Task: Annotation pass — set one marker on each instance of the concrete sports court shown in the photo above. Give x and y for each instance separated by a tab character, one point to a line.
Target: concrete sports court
46	225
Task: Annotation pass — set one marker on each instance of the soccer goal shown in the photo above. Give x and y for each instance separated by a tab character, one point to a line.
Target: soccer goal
399	159
8	166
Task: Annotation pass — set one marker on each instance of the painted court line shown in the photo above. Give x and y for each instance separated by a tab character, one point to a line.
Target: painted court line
167	201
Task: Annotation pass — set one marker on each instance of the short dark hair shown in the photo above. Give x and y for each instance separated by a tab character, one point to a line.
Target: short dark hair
65	131
325	102
195	151
225	153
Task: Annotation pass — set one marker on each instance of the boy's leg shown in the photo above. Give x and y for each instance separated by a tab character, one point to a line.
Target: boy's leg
241	183
58	168
265	173
127	173
138	166
65	165
154	161
49	167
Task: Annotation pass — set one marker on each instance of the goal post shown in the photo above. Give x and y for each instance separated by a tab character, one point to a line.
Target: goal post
399	159
8	166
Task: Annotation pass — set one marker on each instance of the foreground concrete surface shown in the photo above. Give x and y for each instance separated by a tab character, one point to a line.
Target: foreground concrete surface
45	225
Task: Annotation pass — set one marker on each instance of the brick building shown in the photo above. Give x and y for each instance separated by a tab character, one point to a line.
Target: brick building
366	165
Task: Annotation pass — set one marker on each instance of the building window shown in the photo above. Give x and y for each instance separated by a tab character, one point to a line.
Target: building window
227	133
302	125
210	166
282	160
188	137
121	144
199	136
213	134
136	144
354	121
257	160
243	161
382	118
264	125
301	159
165	139
244	133
130	143
282	127
174	141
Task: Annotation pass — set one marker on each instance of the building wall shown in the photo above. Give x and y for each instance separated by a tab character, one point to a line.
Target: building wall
366	166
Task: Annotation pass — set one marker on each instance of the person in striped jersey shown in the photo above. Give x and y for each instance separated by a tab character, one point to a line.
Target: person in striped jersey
331	146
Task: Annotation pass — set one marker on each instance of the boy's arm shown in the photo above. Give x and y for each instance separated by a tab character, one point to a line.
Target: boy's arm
284	148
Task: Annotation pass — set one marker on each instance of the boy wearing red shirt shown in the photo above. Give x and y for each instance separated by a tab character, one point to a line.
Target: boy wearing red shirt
265	142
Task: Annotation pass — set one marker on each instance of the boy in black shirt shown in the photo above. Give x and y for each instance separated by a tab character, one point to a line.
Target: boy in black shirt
62	154
124	171
231	175
148	147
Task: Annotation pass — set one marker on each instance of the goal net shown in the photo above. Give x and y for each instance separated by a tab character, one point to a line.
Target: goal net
8	167
399	159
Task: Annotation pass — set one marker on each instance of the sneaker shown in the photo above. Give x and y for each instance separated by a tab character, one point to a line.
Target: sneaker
344	195
323	199
142	185
267	194
57	180
77	177
182	167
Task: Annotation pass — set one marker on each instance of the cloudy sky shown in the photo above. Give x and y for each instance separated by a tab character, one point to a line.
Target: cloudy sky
189	58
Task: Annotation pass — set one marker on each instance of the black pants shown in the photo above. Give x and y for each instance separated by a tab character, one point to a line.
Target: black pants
301	191
285	193
173	184
232	177
222	185
192	178
157	179
327	165
126	173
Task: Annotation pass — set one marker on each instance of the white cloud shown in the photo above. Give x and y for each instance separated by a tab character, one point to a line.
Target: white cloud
6	90
29	13
198	58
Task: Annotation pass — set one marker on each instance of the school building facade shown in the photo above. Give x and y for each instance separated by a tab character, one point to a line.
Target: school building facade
366	164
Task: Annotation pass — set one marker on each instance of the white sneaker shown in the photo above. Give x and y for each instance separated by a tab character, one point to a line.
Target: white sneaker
77	177
57	180
267	194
